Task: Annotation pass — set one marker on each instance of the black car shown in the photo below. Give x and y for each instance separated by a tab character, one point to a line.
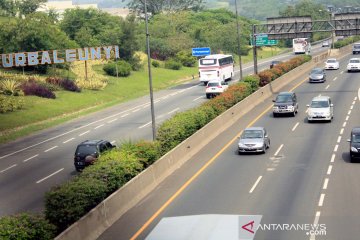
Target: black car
285	103
354	144
273	63
88	151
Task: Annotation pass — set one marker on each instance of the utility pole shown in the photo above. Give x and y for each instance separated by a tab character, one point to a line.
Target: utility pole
238	39
150	77
254	50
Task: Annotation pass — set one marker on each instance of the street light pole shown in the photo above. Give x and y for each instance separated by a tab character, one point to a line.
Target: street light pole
238	39
150	77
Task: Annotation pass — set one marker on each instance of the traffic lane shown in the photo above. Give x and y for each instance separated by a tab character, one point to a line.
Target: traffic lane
129	223
22	188
85	127
293	189
340	212
207	197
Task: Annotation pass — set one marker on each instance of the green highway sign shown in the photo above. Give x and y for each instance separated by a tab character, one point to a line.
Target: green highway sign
263	40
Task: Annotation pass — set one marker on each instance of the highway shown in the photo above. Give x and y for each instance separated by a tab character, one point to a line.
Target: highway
304	178
31	165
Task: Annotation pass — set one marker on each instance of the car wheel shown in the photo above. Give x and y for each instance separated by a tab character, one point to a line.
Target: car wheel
275	115
207	96
268	146
293	113
351	159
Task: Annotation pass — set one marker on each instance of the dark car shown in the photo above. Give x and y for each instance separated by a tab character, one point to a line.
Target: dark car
88	151
317	75
285	103
354	144
273	63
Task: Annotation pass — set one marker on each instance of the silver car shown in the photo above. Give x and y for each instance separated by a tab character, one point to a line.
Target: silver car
317	75
320	109
253	139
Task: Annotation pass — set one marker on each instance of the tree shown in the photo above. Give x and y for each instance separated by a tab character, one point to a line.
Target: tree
26	7
158	6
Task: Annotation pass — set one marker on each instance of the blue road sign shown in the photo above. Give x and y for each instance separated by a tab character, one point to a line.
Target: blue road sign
198	52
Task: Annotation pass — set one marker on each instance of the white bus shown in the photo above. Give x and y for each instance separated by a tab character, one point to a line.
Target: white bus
217	67
301	45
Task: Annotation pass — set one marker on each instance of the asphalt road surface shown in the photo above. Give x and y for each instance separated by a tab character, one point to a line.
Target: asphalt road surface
31	165
304	178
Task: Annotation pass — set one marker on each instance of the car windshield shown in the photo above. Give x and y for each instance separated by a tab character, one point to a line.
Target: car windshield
356	46
331	61
86	149
252	134
316	71
283	98
319	104
356	138
354	61
213	84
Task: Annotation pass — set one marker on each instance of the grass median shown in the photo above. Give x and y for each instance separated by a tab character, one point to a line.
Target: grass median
40	113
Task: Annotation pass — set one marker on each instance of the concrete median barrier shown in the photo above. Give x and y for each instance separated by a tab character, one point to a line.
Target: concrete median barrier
106	213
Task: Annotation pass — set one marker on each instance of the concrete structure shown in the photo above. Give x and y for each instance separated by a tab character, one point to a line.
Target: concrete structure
61	6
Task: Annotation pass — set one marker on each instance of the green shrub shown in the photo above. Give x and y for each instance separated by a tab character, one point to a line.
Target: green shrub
136	63
67	203
155	63
146	152
10	103
172	64
186	58
114	168
123	68
26	226
346	41
253	81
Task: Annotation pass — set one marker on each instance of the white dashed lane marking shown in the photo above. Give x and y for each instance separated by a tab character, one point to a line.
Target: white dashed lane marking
297	124
99	126
326	181
43	179
48	150
8	168
197	98
332	158
113	120
277	152
321	200
255	184
30	158
338	140
68	140
341	131
81	134
329	170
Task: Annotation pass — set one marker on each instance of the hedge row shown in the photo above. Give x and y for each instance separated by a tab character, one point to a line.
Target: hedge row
268	75
66	203
346	41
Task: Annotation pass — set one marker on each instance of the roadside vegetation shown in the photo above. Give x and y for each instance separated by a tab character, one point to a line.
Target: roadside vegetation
68	202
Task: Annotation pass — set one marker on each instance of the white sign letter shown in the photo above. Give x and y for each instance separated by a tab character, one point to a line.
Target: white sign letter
10	63
20	59
33	58
80	53
70	55
45	58
56	59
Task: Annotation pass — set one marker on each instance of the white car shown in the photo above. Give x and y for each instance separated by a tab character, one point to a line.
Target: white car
214	88
320	109
325	44
332	63
353	65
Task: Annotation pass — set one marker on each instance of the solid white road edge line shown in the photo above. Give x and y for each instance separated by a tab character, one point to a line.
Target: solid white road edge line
99	126
255	184
43	179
